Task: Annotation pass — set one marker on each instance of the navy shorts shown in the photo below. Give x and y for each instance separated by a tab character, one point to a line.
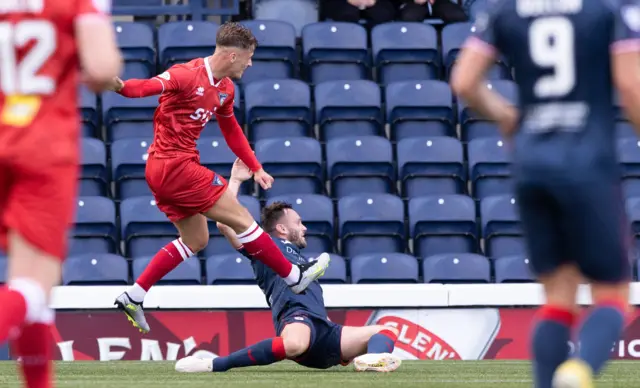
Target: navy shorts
577	223
324	346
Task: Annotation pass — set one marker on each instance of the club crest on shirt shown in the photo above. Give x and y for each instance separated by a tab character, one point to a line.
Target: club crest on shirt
216	181
223	97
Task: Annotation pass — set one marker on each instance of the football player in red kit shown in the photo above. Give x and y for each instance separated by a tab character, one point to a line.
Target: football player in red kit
43	45
189	193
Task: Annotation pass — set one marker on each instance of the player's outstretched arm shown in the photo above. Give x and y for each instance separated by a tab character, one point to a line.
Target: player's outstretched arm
137	88
239	174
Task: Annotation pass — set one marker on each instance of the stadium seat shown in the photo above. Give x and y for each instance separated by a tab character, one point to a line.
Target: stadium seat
633	212
128	161
316	212
295	163
227	269
384	268
456	268
98	269
360	164
94	230
336	273
217	242
90	119
188	273
278	108
371	223
405	51
348	108
216	155
489	167
501	228
137	46
3	269
180	42
624	129
94	174
144	229
276	56
443	224
335	51
629	157
431	166
473	126
513	269
416	109
128	117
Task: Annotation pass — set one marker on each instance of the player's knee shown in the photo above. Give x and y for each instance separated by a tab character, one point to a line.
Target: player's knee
395	331
197	243
295	346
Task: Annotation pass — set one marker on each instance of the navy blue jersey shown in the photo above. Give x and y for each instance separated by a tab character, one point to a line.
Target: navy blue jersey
560	51
279	296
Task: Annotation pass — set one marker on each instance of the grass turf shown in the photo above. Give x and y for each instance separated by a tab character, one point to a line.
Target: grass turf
476	374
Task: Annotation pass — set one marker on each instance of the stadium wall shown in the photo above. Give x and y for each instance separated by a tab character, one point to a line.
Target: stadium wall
436	322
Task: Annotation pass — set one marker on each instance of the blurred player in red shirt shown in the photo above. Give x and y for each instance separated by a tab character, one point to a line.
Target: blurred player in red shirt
43	44
189	193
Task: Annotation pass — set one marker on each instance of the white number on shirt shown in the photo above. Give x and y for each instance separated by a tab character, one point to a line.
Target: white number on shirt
551	45
22	78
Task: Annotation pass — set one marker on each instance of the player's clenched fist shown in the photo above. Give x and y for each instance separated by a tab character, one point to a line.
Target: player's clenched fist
116	85
264	180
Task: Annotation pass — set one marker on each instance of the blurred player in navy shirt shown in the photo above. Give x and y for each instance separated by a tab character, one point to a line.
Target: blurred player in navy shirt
304	332
568	55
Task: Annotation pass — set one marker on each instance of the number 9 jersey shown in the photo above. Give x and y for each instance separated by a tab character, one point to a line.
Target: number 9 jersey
39	120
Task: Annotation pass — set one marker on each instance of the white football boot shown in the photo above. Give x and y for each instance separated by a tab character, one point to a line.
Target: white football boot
191	364
376	362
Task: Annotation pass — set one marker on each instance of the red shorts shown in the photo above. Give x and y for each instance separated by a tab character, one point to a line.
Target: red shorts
38	201
182	187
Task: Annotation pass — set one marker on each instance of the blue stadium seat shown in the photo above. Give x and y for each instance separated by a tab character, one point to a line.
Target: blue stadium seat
513	269
3	269
316	212
473	126
422	108
335	51
188	273
94	230
405	51
217	242
278	108
629	157
453	38
94	174
360	164
443	224
231	268
180	42
90	119
489	167
144	229
348	108
336	273
384	268
216	155
456	268
128	117
276	56
501	227
137	46
371	223
128	161
431	165
92	270
295	163
633	212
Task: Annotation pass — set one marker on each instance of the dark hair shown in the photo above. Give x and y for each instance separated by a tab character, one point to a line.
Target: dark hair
232	34
271	215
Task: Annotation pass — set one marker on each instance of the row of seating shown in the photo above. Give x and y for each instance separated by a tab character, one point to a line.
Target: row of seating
227	269
360	224
352	165
399	51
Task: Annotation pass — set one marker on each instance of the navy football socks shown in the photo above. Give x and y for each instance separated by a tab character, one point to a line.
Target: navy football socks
602	328
263	353
550	343
382	342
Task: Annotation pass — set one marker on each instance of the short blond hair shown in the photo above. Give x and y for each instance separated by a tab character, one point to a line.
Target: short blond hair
232	34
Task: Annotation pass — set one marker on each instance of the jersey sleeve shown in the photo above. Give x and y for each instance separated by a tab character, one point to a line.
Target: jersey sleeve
626	35
483	37
226	109
174	78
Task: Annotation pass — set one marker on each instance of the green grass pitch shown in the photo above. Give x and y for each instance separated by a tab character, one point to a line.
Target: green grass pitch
441	374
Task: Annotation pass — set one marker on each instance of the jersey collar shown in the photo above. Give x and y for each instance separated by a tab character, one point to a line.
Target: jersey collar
210	73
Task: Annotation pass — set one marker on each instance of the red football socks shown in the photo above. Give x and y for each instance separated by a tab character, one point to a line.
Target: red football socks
12	313
34	347
260	246
165	261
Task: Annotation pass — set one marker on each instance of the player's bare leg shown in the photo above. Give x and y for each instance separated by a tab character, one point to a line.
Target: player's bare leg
549	342
259	244
370	348
194	236
602	327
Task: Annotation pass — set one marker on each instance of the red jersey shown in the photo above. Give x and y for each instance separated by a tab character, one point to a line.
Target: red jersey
39	74
189	98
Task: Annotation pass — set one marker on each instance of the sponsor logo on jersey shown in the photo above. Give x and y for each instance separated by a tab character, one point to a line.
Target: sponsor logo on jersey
200	91
223	97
